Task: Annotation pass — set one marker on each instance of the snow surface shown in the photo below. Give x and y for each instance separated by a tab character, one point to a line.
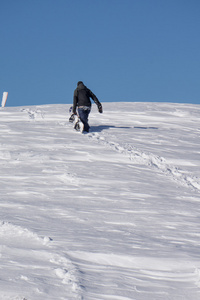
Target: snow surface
109	215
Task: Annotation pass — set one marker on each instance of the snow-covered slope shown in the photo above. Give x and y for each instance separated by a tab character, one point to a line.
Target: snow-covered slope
111	215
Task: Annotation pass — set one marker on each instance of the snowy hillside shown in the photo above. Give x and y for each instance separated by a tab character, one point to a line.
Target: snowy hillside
110	215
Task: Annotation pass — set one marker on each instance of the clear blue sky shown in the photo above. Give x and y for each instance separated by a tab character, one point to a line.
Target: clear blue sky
123	50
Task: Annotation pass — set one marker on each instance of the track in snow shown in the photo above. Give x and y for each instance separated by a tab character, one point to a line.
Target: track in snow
149	159
26	257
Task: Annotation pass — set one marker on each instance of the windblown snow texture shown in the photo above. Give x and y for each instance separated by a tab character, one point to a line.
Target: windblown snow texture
113	214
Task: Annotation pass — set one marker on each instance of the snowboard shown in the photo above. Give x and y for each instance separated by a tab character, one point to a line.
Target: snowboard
75	120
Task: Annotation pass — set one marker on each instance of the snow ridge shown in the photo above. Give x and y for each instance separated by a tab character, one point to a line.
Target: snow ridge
149	159
37	264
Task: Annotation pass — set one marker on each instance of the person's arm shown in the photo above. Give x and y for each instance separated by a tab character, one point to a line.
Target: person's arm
95	99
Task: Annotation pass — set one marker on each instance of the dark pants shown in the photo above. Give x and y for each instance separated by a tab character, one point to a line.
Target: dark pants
83	114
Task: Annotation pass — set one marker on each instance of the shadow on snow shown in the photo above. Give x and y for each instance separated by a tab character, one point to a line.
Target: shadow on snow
144	127
103	127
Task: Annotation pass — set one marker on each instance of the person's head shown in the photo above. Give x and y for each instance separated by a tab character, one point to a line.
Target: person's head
79	82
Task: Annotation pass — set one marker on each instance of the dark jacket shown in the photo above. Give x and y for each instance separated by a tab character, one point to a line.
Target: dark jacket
82	97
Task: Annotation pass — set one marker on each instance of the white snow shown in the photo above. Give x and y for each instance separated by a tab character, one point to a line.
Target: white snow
109	215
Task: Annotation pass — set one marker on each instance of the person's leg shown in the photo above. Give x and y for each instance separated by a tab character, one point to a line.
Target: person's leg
83	114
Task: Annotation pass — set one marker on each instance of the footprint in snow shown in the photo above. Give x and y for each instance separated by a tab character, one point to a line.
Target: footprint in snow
30	264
